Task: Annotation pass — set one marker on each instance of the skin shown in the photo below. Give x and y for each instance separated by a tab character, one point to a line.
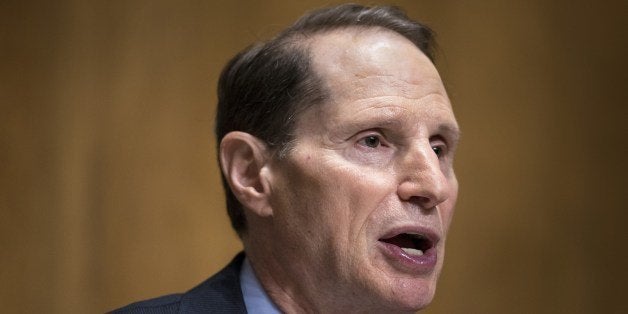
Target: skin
377	156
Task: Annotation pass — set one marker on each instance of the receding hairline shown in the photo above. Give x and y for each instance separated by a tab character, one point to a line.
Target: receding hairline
306	39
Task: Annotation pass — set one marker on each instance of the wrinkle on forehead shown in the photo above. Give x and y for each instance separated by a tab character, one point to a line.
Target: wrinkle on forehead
378	86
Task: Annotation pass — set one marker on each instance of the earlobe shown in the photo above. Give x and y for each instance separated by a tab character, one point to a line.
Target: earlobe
243	159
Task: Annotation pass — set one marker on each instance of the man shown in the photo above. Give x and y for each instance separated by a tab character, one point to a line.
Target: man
337	141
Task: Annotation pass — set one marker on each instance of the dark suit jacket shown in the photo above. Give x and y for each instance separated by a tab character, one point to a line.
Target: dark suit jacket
219	294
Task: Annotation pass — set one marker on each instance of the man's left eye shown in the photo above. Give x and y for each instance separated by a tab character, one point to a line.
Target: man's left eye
371	141
438	150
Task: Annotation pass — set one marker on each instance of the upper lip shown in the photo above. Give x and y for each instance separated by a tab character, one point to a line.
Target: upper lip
426	232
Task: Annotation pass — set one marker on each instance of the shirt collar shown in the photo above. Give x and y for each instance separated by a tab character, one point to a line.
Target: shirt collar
255	298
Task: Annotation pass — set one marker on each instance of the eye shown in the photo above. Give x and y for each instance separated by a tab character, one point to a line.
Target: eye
438	150
370	141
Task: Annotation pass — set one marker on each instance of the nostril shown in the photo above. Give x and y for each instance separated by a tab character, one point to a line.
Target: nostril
423	202
425	195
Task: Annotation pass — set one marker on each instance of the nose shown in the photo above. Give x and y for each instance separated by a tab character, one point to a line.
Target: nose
422	180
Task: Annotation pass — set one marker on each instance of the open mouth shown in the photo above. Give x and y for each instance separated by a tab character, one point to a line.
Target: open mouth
411	243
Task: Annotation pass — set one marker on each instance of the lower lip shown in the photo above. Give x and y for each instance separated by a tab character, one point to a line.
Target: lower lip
422	264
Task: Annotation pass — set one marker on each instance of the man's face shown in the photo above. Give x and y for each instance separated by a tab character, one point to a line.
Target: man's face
363	202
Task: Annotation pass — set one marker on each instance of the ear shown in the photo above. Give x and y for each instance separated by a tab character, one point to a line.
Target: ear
244	159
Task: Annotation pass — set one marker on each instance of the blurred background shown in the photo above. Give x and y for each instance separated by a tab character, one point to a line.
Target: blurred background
110	191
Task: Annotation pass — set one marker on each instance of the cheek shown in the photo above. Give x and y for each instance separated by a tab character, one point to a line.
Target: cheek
356	204
448	207
335	200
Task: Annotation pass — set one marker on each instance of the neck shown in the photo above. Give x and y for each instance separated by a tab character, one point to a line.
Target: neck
282	291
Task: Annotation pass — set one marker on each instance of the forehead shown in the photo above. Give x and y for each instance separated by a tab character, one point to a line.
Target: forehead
376	72
355	55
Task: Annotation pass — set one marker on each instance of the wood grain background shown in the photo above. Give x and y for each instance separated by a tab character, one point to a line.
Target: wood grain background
110	193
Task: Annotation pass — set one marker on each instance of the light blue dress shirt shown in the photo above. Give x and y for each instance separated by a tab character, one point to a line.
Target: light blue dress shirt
255	298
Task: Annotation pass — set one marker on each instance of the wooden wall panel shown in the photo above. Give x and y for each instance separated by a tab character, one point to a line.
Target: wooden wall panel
109	189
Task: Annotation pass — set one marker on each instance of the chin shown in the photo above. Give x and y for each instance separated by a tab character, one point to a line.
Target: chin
405	295
412	300
400	295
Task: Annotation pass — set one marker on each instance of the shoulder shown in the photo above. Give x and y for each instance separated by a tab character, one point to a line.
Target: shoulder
165	304
220	293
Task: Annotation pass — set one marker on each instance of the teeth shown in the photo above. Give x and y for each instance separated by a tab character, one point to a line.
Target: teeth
412	251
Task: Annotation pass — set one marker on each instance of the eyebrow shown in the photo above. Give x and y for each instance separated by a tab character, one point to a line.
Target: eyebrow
451	130
386	122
